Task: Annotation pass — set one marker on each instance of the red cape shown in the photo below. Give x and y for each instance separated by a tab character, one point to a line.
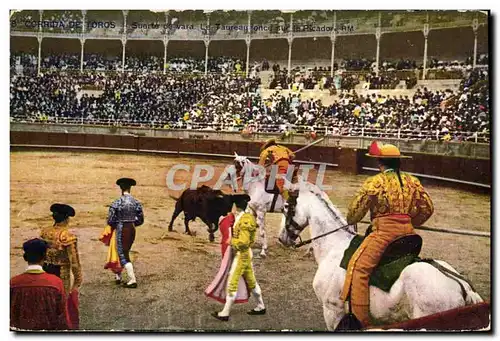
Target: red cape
73	311
225	225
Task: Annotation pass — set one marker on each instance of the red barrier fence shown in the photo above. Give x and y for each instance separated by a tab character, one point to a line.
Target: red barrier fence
473	317
450	169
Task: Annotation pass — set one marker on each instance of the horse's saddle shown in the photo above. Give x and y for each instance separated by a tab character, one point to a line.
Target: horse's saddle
397	256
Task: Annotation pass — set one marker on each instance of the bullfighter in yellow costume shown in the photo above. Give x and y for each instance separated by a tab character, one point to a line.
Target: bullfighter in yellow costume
62	257
273	154
243	237
397	202
63	252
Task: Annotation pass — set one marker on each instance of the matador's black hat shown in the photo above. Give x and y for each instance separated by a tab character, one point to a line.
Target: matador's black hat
241	200
126	182
35	246
63	209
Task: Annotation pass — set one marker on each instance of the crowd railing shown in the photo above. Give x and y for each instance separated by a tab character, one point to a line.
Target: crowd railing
408	134
409	75
117	71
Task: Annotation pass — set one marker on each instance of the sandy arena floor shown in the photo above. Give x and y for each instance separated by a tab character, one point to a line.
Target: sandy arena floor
174	269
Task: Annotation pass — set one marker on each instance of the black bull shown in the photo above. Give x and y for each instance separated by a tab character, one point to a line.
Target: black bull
207	204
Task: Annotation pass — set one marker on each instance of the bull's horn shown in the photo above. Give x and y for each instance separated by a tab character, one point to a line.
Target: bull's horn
236	155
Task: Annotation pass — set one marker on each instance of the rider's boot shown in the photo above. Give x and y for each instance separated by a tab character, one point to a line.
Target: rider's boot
362	314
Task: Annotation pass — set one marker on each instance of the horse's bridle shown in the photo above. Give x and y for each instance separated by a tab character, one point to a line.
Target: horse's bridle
238	166
294	234
302	243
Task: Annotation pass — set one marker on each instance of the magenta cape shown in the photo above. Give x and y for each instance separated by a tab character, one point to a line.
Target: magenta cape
217	289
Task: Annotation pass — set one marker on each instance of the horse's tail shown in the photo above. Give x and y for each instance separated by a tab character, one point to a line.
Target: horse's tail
469	293
472	297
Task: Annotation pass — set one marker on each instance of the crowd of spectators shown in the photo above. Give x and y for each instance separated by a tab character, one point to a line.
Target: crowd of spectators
317	78
356	64
382	81
23	63
61	62
440	112
444	113
98	62
215	64
228	64
145	99
231	102
364	64
226	100
354	71
146	63
350	72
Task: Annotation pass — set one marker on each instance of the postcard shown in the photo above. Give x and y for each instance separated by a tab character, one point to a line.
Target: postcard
257	170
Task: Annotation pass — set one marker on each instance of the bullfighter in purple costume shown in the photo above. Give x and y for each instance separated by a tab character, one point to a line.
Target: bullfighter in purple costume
125	214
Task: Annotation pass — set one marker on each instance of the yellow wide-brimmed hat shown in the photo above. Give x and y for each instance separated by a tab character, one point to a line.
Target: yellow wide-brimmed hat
268	143
386	151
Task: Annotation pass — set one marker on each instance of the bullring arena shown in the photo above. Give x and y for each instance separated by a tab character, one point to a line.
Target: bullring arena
174	269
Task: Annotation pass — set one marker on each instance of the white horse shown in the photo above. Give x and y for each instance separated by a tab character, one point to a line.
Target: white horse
261	202
420	290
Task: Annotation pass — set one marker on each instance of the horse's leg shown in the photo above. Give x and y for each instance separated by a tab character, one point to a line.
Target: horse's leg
327	285
332	314
261	218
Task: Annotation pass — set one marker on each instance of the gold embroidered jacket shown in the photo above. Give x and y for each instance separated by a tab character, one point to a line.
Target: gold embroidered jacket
244	232
63	251
273	154
382	195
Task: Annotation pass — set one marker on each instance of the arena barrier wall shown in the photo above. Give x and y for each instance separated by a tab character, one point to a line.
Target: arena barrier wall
454	171
469	149
440	166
